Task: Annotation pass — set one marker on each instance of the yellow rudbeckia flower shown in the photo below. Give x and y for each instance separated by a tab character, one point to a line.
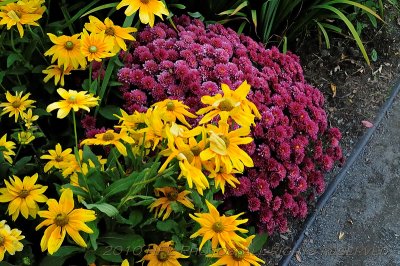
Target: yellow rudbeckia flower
220	229
23	196
116	33
162	255
57	157
62	218
232	104
67	51
95	46
224	147
239	257
9	240
164	203
18	14
16	105
8	146
110	137
57	72
148	9
72	100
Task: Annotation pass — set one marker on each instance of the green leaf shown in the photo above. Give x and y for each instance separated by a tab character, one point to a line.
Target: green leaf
119	186
195	14
67	250
374	55
93	237
168	226
126	241
108	254
90	257
89	155
110	5
109	111
76	190
165	181
145	200
11	59
326	37
258	242
20	164
105	208
350	26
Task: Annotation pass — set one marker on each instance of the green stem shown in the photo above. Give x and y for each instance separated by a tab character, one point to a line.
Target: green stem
76	135
90	76
19	149
144	182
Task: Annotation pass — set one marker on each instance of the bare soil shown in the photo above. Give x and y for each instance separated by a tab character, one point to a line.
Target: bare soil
354	92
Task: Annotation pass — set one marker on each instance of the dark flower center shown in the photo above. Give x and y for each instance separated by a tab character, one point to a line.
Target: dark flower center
23	193
108	136
196	150
226	105
61	219
2	240
170	106
110	31
145	1
162	256
16	104
238	255
59	158
173	195
218	227
69	45
93	49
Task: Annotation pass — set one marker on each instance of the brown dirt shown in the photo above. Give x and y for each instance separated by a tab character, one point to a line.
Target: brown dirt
360	91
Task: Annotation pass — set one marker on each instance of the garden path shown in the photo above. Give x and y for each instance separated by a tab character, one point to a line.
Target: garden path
360	224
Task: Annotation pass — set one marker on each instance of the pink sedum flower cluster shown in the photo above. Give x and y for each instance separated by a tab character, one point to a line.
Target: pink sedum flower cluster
293	145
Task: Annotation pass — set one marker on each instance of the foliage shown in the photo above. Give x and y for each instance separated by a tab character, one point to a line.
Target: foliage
274	20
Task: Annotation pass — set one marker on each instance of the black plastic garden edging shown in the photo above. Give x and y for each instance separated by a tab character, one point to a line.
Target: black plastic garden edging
362	142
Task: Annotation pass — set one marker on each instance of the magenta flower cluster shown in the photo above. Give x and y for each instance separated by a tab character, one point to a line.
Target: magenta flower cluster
293	145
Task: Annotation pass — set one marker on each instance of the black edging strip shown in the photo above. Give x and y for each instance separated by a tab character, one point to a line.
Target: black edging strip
333	185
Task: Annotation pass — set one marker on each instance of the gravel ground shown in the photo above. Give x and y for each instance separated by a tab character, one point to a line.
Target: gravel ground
360	224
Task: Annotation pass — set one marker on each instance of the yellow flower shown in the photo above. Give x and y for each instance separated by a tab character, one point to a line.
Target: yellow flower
110	138
164	203
147	9
23	196
224	147
154	132
9	240
233	104
239	257
163	255
130	122
222	177
28	118
57	157
116	33
17	14
67	51
95	46
8	147
25	137
172	110
186	154
220	229
125	262
16	105
57	72
62	219
72	100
